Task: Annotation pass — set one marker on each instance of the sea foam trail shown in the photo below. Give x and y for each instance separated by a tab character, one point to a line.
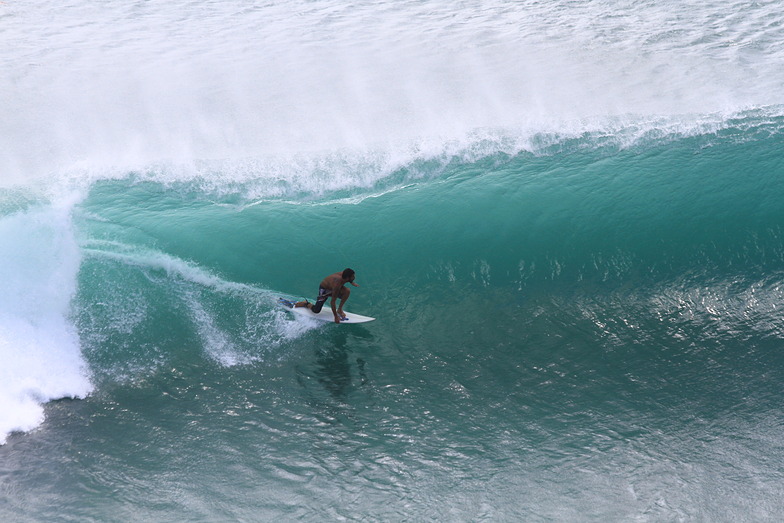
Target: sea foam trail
39	346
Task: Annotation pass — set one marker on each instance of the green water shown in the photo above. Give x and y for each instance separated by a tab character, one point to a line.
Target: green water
593	334
565	216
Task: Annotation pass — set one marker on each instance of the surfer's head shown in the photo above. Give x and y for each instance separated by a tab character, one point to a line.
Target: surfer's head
348	274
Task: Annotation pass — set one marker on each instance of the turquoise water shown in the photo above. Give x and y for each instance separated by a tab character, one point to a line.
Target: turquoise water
577	285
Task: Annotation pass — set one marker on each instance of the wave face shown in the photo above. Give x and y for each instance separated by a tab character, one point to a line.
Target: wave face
566	219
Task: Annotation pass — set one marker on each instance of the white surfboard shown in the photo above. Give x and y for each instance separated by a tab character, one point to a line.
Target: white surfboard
324	315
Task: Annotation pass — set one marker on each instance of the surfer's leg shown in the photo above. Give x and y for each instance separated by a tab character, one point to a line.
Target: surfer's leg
320	301
344	294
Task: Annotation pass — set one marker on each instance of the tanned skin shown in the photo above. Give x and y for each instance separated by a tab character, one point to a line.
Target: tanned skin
336	284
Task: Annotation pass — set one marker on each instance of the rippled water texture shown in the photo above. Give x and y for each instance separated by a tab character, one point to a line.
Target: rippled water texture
566	218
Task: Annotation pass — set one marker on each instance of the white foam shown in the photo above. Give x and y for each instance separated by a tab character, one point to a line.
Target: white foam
266	325
39	346
93	89
172	265
217	343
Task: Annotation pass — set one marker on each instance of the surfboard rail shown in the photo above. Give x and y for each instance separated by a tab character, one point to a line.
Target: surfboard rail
324	315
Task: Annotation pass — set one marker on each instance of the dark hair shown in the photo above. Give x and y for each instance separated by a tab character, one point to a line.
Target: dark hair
348	274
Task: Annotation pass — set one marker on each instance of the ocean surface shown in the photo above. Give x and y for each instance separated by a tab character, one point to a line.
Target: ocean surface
567	218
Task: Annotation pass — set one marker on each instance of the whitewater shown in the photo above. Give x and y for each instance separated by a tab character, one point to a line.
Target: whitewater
566	217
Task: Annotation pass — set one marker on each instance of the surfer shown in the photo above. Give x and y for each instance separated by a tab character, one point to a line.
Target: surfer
333	286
